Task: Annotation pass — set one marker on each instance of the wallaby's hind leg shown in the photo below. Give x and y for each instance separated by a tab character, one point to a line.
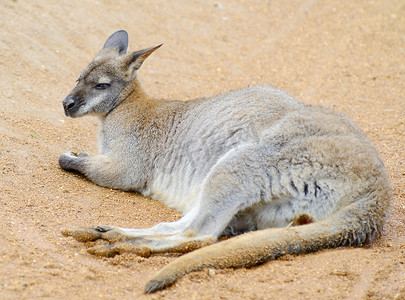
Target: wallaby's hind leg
227	191
235	184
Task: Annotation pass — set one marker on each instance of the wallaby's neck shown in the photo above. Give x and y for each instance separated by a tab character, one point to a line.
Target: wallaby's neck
142	112
134	94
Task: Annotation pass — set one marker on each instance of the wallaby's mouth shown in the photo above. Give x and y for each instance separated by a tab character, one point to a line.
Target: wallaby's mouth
70	106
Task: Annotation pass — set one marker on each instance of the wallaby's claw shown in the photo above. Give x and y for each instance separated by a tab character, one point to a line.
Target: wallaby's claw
105	228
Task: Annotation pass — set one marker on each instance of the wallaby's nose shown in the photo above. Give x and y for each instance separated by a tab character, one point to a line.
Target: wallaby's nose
68	104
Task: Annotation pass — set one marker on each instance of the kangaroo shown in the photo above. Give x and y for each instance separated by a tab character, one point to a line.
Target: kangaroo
285	177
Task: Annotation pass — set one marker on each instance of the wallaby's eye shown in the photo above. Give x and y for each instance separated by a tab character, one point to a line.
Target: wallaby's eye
102	86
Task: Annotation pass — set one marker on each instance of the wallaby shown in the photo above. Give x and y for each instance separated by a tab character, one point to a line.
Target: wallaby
298	178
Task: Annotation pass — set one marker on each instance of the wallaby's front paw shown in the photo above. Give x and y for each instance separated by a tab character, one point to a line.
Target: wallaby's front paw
72	161
66	160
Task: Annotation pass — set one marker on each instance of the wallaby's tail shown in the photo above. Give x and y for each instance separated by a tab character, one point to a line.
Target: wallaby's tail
357	224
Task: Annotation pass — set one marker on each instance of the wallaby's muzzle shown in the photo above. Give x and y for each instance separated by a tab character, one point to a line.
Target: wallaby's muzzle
70	106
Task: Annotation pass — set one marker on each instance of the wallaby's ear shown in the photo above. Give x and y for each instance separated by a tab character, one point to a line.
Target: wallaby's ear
119	41
138	57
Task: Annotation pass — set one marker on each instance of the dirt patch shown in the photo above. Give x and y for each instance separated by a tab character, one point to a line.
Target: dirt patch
345	55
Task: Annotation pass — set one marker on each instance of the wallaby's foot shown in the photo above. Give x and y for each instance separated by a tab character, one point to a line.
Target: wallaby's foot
119	248
121	242
146	246
111	234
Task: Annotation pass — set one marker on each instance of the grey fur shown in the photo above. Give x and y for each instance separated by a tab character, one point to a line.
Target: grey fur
247	160
118	40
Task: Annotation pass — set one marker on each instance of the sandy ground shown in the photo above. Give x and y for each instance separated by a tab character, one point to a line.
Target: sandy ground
347	55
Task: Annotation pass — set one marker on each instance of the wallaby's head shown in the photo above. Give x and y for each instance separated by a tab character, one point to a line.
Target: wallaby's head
100	85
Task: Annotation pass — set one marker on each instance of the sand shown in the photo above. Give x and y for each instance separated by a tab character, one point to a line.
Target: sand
346	55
